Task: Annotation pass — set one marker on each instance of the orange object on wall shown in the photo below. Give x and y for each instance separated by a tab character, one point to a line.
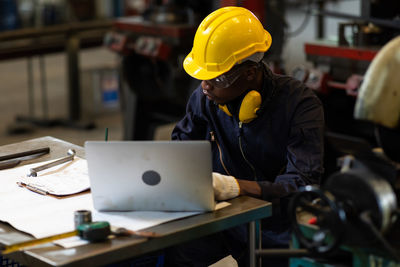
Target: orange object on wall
257	7
230	3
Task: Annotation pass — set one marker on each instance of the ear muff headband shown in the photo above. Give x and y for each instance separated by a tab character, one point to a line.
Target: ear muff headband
225	109
248	108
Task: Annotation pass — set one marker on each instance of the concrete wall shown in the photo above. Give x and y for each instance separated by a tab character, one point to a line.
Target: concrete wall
293	53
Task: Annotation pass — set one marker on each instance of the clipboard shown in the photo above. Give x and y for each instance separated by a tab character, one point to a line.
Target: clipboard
65	180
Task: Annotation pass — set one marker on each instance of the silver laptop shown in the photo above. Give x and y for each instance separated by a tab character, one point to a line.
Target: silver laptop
150	175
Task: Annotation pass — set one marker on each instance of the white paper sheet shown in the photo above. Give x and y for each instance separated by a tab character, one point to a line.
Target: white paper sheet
132	220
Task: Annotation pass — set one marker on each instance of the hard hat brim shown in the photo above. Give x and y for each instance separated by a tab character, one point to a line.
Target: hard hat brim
197	71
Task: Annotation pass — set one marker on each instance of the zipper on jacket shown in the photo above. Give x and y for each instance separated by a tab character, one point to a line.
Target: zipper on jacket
213	139
241	150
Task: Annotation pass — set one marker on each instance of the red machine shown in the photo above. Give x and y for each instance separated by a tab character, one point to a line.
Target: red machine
337	67
159	41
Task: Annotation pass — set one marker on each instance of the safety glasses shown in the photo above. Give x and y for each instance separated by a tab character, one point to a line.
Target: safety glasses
227	79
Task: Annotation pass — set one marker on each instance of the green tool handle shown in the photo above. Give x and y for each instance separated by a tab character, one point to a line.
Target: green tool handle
95	231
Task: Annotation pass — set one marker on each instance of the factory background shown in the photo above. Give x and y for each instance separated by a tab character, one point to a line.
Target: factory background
77	69
100	60
112	70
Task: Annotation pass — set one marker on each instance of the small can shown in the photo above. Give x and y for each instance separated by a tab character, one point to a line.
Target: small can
82	216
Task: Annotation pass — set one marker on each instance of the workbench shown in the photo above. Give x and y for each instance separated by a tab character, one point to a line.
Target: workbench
243	210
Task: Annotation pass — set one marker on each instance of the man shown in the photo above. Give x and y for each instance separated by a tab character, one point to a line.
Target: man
266	130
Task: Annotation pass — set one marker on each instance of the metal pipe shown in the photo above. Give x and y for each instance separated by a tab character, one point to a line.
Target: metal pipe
320	20
31	88
33	171
72	47
44	150
381	22
53	30
43	84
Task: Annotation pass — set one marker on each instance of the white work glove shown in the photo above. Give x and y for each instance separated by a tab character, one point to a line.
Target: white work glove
225	187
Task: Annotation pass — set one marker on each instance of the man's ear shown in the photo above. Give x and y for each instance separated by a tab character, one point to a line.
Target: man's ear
250	73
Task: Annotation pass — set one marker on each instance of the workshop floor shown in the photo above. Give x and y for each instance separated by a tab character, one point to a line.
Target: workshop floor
14	99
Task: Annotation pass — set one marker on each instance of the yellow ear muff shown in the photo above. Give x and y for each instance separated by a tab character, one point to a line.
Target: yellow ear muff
248	108
250	104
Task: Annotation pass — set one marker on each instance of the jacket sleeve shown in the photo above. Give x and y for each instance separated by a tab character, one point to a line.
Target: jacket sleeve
193	126
305	150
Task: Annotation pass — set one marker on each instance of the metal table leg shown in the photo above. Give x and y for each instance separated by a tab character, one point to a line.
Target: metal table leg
72	48
43	82
252	244
31	89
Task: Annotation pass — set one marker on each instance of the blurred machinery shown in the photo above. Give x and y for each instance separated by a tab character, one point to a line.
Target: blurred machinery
356	211
152	47
353	219
339	68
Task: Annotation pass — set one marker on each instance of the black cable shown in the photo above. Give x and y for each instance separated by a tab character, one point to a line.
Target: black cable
366	219
304	23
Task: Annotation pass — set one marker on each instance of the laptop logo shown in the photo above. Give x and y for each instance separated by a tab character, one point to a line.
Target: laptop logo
151	177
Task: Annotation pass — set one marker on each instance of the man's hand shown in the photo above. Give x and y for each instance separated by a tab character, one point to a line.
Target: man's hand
225	187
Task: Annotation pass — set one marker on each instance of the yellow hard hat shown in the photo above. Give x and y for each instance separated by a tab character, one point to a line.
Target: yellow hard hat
224	38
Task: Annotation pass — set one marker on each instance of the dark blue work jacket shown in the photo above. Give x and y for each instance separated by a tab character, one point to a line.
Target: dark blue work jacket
282	149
